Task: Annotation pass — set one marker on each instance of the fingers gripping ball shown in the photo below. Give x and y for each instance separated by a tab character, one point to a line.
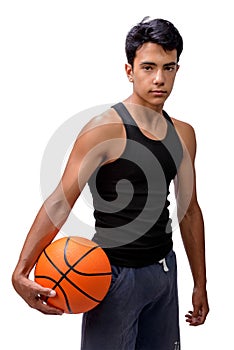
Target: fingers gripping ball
78	270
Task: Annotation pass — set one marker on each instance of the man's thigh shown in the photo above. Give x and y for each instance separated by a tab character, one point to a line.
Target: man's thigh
110	326
158	324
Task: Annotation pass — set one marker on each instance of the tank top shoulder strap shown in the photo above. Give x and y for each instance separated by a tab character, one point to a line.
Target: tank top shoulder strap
124	114
167	117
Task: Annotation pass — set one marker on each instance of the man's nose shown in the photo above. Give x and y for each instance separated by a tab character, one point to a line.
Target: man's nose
158	77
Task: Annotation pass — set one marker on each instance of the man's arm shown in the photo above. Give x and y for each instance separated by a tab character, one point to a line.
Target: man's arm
91	149
191	224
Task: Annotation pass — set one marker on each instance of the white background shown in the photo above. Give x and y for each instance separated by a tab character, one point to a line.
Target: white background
61	57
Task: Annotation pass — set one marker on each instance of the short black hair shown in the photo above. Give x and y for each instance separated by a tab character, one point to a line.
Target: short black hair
159	31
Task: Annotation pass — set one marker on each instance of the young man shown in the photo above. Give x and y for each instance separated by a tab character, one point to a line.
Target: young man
129	155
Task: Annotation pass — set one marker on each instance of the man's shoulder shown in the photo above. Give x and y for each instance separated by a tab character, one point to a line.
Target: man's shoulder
187	136
106	122
109	116
183	128
181	123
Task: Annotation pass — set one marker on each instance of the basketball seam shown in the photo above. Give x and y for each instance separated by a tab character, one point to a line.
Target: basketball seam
60	287
79	272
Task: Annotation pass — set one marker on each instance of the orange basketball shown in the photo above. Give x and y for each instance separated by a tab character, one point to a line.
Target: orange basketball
78	270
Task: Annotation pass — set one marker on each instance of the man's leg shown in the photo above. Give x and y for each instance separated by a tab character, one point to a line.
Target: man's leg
112	325
158	326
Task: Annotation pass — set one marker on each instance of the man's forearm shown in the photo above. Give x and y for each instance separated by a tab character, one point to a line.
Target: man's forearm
192	232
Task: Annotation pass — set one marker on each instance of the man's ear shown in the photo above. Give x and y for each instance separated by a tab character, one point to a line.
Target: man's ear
129	72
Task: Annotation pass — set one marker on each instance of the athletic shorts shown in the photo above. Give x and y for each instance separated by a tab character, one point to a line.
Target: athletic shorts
140	311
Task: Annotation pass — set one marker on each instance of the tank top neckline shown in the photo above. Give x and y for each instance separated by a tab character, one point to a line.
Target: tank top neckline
128	119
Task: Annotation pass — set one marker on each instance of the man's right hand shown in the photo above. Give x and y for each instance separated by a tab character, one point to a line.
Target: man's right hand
34	294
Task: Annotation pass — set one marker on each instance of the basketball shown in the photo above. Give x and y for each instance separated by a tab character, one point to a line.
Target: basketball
78	270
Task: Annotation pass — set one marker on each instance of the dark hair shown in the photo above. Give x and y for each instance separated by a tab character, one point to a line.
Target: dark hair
157	31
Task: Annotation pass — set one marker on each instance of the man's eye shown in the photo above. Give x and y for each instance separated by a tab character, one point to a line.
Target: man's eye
170	68
147	68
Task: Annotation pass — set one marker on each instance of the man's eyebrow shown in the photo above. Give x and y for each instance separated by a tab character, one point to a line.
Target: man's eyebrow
154	64
170	64
149	63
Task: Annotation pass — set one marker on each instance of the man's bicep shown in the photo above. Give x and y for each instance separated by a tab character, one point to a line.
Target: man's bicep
87	154
185	181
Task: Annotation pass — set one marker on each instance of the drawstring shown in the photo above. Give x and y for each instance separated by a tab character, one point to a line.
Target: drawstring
164	263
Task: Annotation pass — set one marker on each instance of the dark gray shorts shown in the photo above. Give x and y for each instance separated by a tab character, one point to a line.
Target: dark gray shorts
140	311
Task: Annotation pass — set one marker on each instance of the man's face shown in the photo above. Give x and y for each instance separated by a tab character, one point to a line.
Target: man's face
153	75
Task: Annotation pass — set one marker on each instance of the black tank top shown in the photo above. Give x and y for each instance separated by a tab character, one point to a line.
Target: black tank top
130	196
